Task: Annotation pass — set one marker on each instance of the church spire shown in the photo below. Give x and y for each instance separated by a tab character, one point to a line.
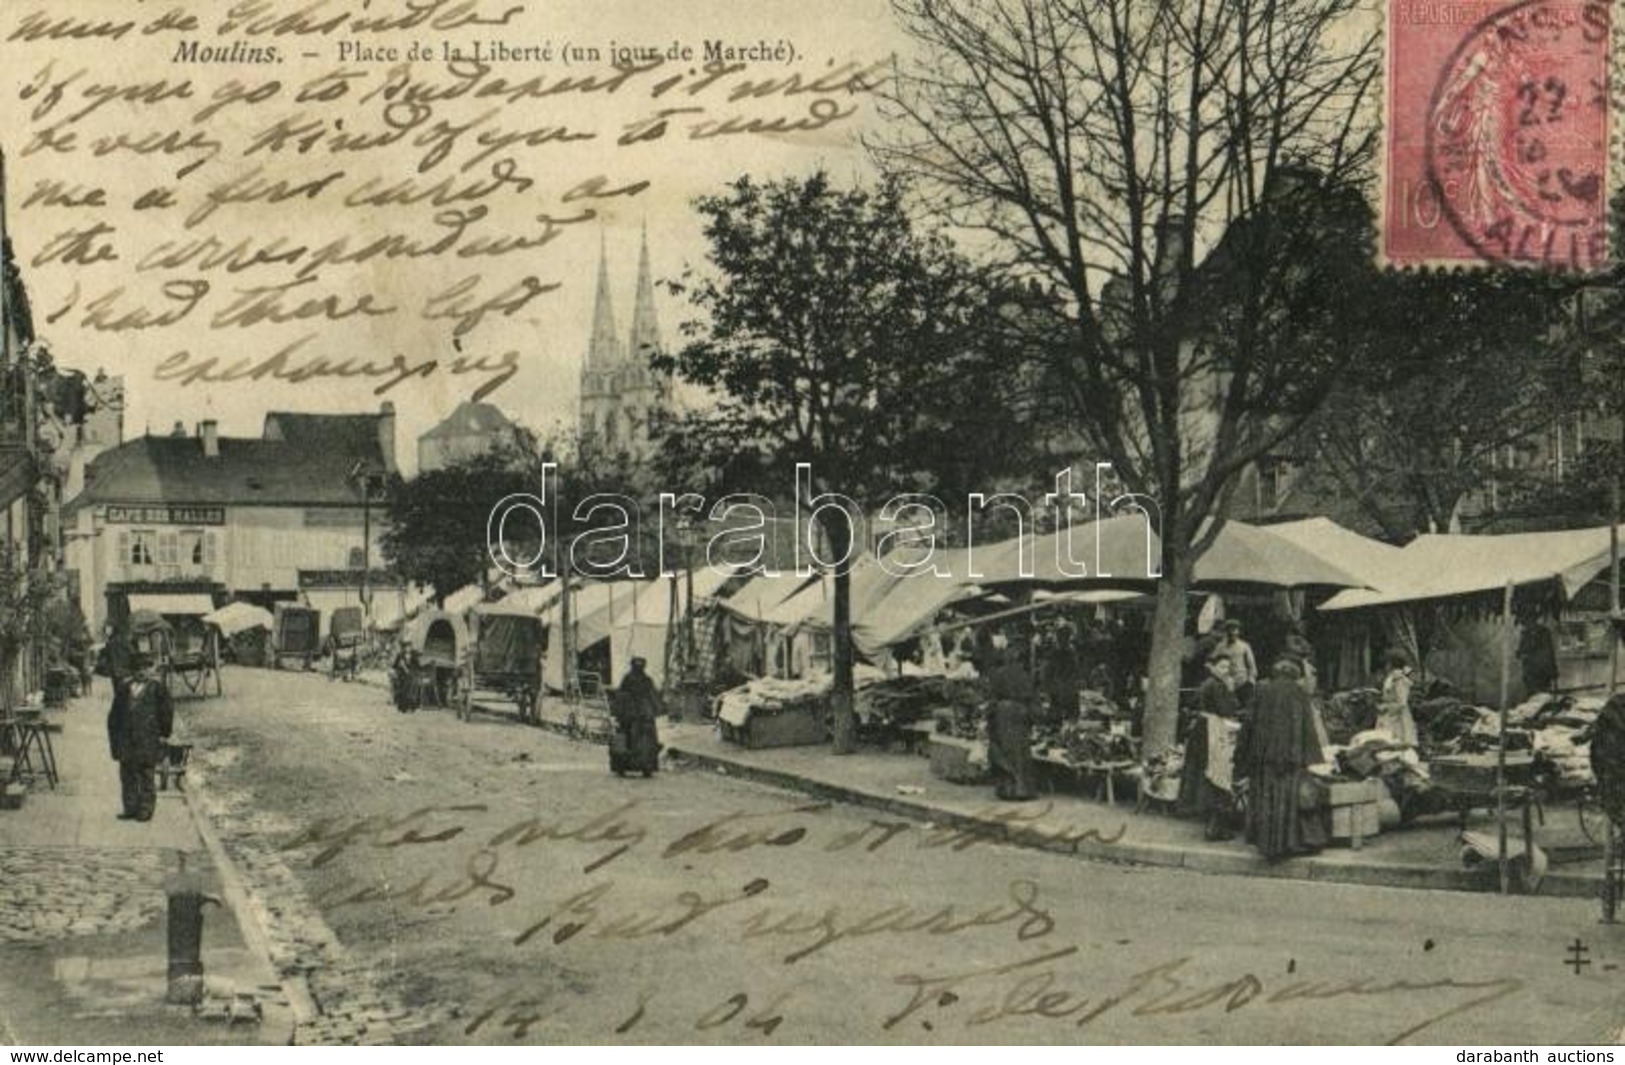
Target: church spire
645	327
604	350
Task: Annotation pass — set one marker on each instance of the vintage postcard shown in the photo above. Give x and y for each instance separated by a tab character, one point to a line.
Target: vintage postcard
893	522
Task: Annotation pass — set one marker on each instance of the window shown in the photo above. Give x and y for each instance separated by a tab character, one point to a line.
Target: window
169	554
191	547
143	542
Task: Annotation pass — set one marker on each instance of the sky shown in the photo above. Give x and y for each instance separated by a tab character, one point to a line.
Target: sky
135	148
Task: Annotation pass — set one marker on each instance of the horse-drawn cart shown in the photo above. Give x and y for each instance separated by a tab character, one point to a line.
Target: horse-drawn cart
296	633
184	645
429	670
506	659
344	638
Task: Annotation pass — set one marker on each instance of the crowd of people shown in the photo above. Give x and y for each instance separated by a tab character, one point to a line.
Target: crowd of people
1249	735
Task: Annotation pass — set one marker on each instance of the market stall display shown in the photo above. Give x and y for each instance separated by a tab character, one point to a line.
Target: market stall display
769	712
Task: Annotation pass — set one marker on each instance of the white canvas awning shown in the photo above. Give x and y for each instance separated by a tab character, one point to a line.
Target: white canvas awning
1445	566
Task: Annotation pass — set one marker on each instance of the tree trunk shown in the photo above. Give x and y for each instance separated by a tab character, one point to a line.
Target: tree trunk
844	727
1161	722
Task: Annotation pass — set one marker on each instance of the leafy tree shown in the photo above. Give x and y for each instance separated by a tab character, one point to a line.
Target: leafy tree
1186	177
437	520
1453	369
27	595
837	334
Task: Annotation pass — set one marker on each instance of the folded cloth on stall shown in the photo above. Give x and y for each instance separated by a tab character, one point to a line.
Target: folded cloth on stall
1221	750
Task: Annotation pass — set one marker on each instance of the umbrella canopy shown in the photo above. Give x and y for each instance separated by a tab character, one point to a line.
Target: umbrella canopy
239	617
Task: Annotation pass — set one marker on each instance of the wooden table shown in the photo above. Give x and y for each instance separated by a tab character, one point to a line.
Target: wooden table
28	739
1107	771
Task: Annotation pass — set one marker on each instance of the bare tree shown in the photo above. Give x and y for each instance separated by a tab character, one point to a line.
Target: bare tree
1180	173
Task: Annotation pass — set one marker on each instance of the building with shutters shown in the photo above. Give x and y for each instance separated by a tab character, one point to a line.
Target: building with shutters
262	519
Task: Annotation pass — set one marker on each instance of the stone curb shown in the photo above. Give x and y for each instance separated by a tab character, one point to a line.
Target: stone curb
279	1024
1212	861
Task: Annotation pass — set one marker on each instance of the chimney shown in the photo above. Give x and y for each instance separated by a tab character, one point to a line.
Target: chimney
179	430
210	432
386	435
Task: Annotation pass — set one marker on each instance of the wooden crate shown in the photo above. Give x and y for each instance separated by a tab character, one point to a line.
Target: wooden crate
787	728
950	761
1350	793
1476	772
1355	819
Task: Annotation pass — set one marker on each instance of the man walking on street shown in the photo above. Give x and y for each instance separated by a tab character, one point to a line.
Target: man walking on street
139	736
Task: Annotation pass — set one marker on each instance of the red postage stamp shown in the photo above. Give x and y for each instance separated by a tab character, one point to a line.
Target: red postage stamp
1497	132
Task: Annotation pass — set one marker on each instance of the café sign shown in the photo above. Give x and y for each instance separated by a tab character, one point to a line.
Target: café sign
165	515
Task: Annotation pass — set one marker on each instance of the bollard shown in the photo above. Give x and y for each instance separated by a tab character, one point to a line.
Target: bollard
186	902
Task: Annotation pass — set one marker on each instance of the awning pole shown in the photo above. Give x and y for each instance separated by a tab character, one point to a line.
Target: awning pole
1613	584
1501	750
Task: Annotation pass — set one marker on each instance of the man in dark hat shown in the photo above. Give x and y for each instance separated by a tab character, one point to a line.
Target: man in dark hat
139	737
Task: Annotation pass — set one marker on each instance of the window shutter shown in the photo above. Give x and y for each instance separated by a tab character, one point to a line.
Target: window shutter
124	549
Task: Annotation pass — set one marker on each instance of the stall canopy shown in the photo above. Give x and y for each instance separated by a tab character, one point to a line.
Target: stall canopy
592	610
909	608
171	604
523	602
238	617
1370	561
643	622
1245	554
1123	552
1435	567
759	595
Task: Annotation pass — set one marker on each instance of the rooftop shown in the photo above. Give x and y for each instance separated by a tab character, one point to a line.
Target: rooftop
303	459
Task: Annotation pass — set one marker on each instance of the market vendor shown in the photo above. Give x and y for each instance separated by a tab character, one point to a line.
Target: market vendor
1394	708
1204	789
1063	674
1243	665
1009	727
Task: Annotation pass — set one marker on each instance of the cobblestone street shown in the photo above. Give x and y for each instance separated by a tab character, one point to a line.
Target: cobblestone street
47	894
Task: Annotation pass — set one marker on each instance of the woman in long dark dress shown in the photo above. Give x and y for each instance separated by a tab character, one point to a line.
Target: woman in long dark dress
1277	743
1608	758
636	745
1009	728
1199	796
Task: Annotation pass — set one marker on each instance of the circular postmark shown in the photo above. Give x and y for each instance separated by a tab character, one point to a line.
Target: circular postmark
1517	135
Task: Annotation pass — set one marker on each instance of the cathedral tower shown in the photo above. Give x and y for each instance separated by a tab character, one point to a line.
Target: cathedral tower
619	391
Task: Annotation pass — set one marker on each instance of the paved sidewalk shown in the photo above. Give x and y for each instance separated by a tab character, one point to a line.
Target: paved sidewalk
83	937
1425	855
